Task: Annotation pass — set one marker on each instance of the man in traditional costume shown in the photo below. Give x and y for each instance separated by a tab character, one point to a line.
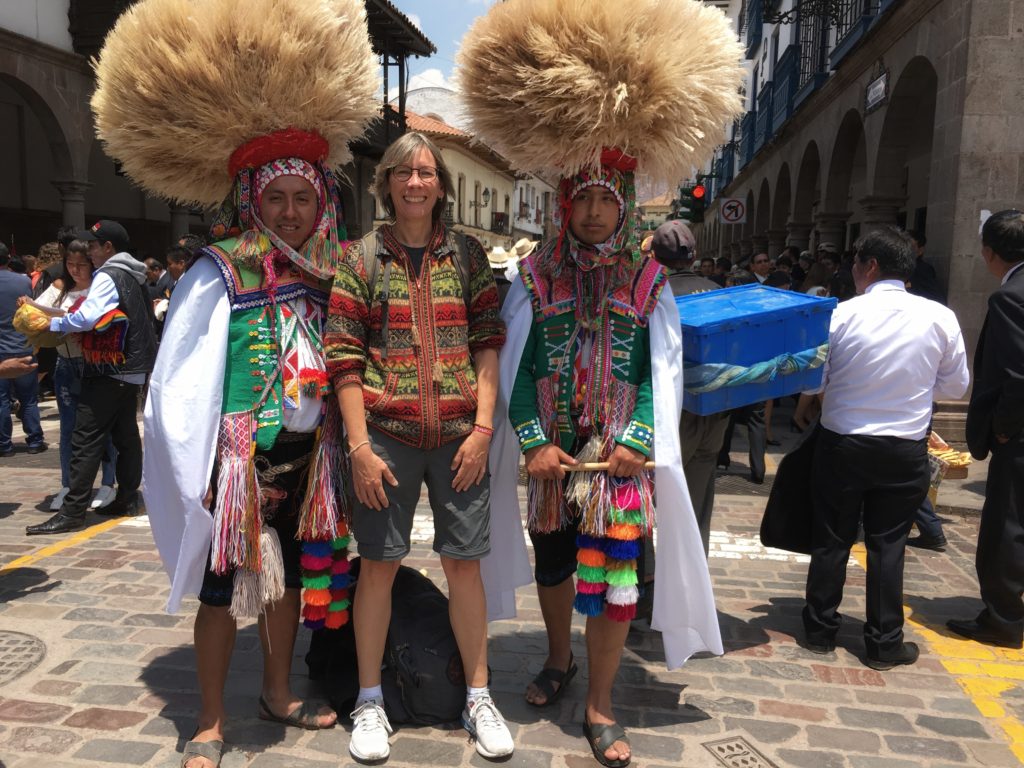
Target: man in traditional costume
242	435
591	371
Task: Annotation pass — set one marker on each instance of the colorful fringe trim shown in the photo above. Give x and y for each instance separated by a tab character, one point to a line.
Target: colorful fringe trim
325	583
237	521
105	342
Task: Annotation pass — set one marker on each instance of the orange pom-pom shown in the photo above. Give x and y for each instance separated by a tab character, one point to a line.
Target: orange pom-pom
591	557
623	532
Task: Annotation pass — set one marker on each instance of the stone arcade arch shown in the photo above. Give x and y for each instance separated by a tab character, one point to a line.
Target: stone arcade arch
847	175
763	217
781	200
806	199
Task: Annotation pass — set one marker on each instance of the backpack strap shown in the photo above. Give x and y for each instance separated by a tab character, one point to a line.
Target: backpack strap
463	266
373	250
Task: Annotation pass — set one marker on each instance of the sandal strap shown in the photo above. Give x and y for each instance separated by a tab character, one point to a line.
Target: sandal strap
210	750
604	735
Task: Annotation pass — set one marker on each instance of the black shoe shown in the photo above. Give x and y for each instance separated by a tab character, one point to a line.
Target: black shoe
819	646
973	629
7	453
59	523
775	443
121	506
37	448
934	543
757	480
723	464
907	654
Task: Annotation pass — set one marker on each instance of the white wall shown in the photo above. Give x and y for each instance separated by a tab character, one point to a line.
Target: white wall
42	20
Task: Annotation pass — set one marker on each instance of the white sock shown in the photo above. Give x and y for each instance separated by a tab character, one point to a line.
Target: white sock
476	693
369	694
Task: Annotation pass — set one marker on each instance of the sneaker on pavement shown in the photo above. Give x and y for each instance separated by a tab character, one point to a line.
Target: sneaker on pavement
103	497
370	732
485	723
58	500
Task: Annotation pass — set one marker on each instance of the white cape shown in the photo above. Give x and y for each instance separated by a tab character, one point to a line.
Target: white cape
180	423
684	605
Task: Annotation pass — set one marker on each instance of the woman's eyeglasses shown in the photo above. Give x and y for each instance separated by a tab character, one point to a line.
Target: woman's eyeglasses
404	173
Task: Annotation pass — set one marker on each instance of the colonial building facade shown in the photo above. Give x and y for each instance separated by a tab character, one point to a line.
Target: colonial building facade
883	112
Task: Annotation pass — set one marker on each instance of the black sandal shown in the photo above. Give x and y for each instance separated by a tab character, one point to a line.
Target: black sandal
210	750
600	737
548	678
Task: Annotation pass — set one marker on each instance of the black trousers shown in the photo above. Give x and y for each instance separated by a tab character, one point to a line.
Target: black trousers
106	407
879	479
1000	557
753	416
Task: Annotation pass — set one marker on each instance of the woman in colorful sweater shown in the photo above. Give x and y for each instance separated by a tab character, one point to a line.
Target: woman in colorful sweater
412	347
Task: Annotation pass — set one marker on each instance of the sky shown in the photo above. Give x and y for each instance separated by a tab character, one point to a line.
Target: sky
444	22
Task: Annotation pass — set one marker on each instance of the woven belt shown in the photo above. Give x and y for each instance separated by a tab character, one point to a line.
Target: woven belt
284	436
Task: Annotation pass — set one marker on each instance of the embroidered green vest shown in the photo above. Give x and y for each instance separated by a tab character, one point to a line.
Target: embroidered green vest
253	379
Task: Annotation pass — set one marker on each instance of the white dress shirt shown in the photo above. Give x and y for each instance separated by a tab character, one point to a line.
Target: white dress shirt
891	354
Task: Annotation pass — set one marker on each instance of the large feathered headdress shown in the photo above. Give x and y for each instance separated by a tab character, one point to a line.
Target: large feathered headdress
551	84
190	91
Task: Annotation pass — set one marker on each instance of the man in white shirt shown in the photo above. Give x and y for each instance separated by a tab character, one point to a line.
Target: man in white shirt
891	354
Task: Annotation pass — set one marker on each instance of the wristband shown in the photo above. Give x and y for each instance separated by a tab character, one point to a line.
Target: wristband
356	448
483	430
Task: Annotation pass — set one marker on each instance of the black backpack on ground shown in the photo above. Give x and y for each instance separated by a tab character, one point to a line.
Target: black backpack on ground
422	678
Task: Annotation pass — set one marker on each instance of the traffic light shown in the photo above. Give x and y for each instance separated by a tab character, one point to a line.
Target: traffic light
691	202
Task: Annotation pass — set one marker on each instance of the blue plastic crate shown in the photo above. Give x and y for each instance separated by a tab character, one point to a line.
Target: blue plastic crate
745	326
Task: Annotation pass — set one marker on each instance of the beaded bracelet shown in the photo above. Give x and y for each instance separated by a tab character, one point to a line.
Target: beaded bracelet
483	430
356	448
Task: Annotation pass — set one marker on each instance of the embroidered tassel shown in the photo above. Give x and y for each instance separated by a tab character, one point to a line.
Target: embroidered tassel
247	597
622	595
588	491
325	581
589	605
237	522
438	372
273	565
586	588
622	550
325	505
545	507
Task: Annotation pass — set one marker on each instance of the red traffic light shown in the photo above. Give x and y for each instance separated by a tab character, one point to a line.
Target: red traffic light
698	191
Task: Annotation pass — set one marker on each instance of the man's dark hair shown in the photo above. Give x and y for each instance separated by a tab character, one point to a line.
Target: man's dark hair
918	237
65	234
841	286
778	279
792	251
5	255
892	248
15	264
193	242
1004	234
706	258
723	263
784	261
178	253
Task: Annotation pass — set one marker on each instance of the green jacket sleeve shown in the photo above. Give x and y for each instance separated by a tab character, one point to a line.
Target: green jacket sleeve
522	406
639	433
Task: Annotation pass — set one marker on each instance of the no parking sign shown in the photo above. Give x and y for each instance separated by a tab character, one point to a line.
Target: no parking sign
732	210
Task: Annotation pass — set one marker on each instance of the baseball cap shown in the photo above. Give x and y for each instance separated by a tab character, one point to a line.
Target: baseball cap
106	230
673	241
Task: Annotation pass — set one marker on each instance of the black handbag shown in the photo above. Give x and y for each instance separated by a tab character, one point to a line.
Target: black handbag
789	515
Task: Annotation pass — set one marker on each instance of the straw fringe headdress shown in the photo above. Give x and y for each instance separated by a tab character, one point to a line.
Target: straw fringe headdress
552	83
185	85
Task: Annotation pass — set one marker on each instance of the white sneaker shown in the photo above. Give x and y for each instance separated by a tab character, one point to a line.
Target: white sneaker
58	500
485	723
103	497
370	732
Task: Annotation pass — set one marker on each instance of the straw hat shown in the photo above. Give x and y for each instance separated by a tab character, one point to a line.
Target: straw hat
524	247
498	256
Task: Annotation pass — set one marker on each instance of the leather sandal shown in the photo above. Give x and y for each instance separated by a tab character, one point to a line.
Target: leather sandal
548	678
306	715
601	737
211	750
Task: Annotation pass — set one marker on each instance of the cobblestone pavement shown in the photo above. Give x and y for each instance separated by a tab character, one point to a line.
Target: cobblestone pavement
93	672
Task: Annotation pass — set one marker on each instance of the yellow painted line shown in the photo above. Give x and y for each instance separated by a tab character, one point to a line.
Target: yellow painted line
60	546
984	672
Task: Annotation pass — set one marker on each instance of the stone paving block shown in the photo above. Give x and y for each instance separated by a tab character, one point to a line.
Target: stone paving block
888	699
55	687
286	760
762	730
110	694
723	704
992	754
49	741
104	672
748	686
161	636
873	719
121	651
76	598
521	758
22	711
103	719
410	749
938	749
95	615
956	727
805	758
956	706
101	632
842	739
791	711
847	675
780	670
651	747
47	613
864	761
170	727
118	751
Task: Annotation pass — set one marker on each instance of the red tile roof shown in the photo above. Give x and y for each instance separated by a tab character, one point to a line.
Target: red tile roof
431	126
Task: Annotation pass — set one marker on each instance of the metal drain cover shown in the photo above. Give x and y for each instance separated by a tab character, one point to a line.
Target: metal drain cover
18	654
737	753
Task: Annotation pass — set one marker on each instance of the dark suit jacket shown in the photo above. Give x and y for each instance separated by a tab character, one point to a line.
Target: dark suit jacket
997	400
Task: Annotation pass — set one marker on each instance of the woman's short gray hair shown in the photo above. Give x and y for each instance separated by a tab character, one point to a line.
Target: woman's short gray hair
399	153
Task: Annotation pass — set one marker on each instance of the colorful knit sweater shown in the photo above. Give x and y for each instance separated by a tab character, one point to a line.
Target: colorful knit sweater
419	384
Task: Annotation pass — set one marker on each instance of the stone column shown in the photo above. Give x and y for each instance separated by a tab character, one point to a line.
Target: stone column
746	248
759	243
776	242
879	211
179	221
735	251
831	229
799	234
72	200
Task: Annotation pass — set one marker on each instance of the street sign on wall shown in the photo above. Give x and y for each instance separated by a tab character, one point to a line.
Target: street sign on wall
732	210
